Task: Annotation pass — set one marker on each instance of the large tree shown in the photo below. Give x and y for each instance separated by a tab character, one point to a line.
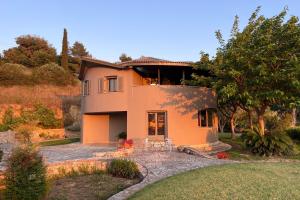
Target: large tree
32	51
262	64
65	51
79	50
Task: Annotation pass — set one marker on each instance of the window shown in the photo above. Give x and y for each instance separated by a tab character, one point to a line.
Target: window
156	123
206	117
112	84
86	87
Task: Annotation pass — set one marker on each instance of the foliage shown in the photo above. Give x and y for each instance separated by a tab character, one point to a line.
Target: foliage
13	74
123	168
260	64
32	51
275	143
9	121
25	176
46	117
122	135
79	50
52	73
64	51
294	133
24	133
123	58
59	142
41	116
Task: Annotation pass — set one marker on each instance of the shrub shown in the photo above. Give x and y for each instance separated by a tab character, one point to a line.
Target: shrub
52	73
9	121
24	133
275	143
46	117
123	168
3	127
294	133
25	176
13	74
122	135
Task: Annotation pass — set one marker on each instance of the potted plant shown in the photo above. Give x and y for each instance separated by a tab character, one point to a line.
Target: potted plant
122	137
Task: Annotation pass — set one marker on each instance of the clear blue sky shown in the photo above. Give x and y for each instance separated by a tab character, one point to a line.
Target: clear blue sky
169	29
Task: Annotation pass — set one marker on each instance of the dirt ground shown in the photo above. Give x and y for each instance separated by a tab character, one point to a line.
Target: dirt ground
87	187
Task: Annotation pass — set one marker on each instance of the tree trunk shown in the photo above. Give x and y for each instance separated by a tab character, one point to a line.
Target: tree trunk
232	126
261	123
250	119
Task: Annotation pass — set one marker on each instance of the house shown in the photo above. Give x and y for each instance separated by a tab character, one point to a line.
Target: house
146	98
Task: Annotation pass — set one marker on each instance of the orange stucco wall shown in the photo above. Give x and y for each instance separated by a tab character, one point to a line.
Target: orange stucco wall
181	104
95	129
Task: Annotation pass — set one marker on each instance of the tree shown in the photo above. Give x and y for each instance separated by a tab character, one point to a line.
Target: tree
64	51
32	51
123	58
79	50
262	63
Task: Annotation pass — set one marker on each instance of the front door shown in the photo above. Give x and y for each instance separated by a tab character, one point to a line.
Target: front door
157	124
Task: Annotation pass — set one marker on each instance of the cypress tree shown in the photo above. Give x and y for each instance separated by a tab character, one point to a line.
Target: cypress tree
64	51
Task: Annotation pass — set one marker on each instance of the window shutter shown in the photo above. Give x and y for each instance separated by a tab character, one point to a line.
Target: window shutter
105	85
89	87
100	85
120	83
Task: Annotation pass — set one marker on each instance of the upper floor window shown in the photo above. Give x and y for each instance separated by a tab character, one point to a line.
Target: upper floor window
110	84
86	87
206	117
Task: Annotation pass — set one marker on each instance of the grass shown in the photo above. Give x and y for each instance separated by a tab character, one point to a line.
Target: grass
92	187
233	181
59	142
239	152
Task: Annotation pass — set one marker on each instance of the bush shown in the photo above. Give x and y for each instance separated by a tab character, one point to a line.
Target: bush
25	176
9	121
294	133
13	74
123	168
122	135
52	73
46	117
24	133
275	143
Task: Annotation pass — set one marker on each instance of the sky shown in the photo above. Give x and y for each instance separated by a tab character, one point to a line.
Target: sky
169	29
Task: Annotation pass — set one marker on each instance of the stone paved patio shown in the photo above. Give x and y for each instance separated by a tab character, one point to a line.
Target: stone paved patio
72	152
160	165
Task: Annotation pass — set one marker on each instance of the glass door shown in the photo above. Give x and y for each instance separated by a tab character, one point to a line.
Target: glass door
157	123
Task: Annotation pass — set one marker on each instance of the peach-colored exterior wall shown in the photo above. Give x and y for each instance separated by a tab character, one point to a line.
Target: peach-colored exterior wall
181	103
95	129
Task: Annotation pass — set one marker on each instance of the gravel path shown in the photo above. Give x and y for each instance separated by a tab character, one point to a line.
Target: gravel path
160	165
72	151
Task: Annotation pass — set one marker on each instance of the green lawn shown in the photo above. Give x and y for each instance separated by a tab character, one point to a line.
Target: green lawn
59	142
233	181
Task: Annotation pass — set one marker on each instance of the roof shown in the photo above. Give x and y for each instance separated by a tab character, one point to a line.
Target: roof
142	61
87	62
